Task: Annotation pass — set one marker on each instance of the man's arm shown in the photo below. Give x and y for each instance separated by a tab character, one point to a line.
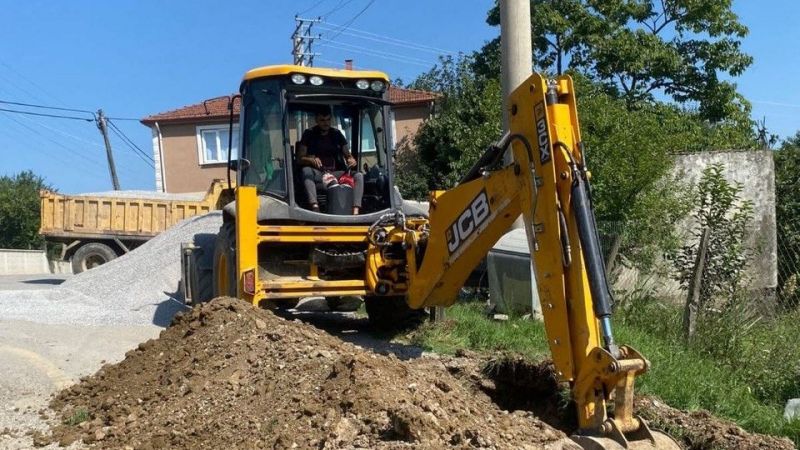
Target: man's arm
302	154
348	157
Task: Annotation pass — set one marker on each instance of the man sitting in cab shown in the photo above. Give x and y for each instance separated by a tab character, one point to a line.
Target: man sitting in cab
323	152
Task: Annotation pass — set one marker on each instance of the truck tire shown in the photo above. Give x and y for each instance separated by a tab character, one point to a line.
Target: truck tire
224	276
392	313
91	255
201	275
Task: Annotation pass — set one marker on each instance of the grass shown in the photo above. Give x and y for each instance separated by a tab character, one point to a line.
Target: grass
467	327
78	417
748	387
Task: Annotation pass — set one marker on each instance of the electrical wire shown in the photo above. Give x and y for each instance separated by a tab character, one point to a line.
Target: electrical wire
30	113
377	55
353	19
394	55
31	105
388	42
60	144
400	41
319	2
132	145
132	148
337	7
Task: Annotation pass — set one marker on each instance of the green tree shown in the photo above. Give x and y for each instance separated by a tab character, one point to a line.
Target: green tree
19	210
723	217
787	212
641	48
467	120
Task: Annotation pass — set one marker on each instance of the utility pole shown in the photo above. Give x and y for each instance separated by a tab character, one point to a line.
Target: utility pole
516	56
302	41
516	52
100	118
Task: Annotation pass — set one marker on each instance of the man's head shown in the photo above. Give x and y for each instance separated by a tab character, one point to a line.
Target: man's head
323	118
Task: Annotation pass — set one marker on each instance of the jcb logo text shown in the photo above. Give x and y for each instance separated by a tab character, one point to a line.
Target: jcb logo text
469	221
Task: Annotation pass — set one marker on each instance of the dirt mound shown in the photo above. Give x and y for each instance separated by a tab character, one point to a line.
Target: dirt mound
701	430
226	375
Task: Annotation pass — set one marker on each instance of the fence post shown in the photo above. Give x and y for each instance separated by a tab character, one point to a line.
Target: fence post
695	288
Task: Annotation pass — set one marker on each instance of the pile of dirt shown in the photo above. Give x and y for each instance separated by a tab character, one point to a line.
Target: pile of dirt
226	375
701	430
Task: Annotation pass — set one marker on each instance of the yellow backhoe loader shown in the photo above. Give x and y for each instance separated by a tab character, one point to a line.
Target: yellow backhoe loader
276	246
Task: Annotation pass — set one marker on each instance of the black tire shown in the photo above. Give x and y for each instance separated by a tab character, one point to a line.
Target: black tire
201	276
223	280
91	255
392	313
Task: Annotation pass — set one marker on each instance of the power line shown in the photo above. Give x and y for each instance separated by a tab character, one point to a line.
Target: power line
124	118
319	2
30	82
386	42
60	144
378	55
31	105
132	145
129	141
337	7
349	22
394	55
30	113
400	41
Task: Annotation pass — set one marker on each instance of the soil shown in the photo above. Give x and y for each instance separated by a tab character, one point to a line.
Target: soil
700	430
227	375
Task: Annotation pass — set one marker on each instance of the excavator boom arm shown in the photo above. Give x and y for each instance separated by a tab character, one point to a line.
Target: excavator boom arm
548	183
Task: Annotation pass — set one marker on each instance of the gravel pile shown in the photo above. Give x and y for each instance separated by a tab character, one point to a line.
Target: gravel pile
139	288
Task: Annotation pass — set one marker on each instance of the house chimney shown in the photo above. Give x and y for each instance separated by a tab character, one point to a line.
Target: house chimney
348	64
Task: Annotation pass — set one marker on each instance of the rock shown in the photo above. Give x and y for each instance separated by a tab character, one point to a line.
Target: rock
792	409
260	324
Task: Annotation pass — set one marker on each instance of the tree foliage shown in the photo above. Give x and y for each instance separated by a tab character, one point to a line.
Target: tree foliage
787	212
19	210
466	121
641	48
724	216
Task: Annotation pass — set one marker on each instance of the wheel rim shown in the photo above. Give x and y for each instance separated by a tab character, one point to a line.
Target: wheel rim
92	261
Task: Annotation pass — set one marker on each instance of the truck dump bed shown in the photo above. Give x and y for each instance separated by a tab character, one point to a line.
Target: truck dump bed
121	216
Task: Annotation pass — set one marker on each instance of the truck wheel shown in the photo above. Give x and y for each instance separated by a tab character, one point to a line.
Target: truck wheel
201	275
224	278
391	313
91	255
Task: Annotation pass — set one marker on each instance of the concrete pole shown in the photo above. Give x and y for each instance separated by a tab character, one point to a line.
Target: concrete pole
516	53
101	125
516	56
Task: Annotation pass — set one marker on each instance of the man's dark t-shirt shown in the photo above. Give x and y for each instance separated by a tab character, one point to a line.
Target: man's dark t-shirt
328	147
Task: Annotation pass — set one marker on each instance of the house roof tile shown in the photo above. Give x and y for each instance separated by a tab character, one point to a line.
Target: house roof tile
217	108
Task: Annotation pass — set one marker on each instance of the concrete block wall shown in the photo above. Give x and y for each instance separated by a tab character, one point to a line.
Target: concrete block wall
23	262
755	171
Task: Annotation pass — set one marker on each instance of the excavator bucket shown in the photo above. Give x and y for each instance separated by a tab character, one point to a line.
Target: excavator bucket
645	439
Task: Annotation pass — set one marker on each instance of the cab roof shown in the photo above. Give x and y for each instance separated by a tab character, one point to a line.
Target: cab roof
288	69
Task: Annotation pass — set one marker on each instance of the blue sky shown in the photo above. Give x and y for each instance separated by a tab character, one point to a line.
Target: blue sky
137	57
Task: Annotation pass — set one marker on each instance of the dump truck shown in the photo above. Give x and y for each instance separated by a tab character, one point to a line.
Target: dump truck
280	241
96	228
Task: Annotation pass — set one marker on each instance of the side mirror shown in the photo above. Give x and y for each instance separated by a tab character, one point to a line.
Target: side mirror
238	164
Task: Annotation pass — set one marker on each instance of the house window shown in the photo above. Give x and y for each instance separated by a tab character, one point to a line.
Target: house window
212	144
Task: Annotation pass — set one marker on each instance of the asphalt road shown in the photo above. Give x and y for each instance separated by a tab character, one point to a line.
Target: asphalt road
38	359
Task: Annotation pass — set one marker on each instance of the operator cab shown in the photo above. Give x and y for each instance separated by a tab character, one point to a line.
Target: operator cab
279	103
